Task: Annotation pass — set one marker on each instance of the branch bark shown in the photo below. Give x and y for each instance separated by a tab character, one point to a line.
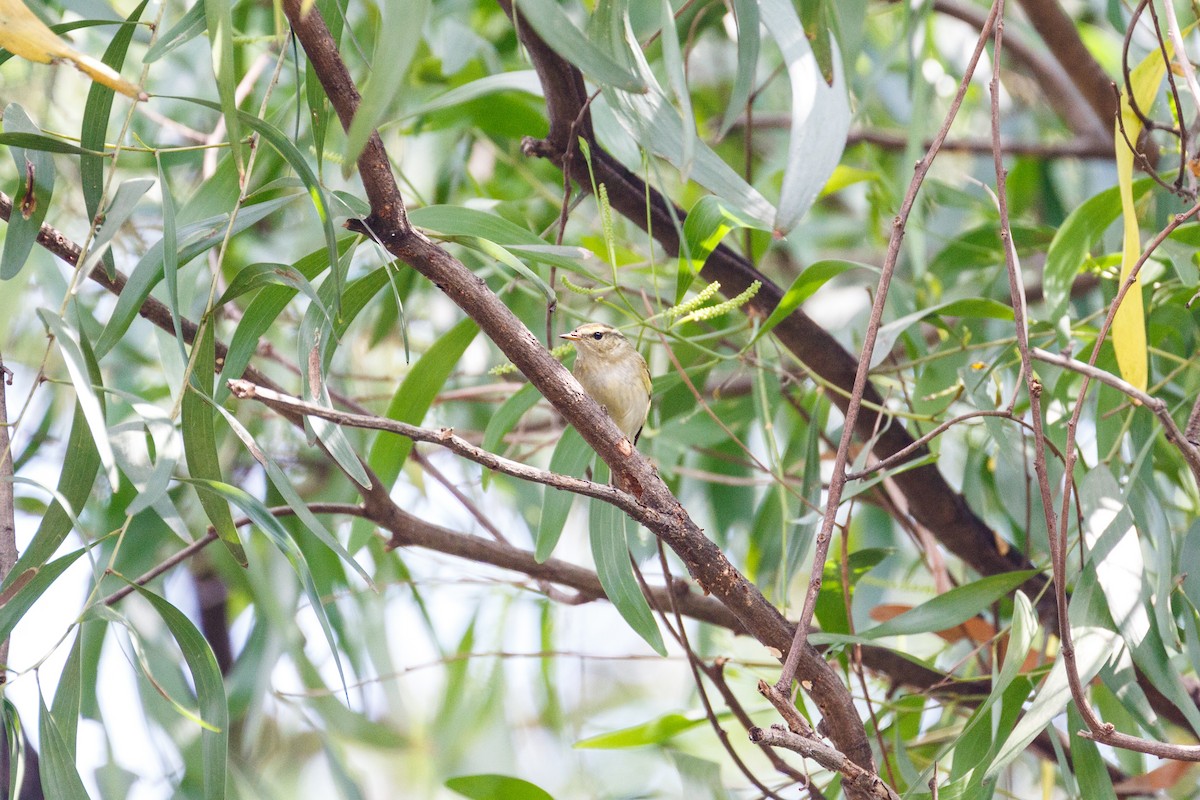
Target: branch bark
931	500
388	224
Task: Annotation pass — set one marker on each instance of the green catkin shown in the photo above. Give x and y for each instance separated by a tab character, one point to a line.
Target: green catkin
723	308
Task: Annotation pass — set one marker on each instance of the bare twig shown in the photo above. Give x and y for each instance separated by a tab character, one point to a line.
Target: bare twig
8	521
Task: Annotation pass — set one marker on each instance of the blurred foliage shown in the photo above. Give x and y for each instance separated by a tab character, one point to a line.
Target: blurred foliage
367	672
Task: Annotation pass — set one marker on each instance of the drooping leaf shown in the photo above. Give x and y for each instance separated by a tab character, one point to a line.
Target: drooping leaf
31	200
610	551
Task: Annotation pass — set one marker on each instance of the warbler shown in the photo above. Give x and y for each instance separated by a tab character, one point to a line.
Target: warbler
614	374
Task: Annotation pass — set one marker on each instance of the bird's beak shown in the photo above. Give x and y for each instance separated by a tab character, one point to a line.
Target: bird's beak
572	336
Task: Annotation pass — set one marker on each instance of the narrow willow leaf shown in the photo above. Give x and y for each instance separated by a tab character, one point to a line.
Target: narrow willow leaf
194	239
200	439
25	586
189	26
650	119
449	221
266	522
706	225
81	378
805	285
1068	250
505	418
659	730
171	254
284	486
210	692
255	276
218	16
820	115
93	133
81	464
971	307
45	144
31	200
745	13
610	551
673	62
395	45
1090	770
490	787
60	778
951	608
66	706
506	258
1093	646
1129	323
525	81
416	394
571	457
546	17
118	211
262	313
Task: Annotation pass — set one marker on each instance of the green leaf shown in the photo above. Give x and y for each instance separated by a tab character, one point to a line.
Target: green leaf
93	134
32	199
820	114
951	608
506	258
60	779
546	17
284	145
210	692
194	239
496	787
972	307
673	64
81	463
189	26
118	212
287	491
518	81
610	551
1093	647
1090	770
218	16
571	457
255	276
45	144
200	439
24	586
1072	242
707	223
73	355
455	221
395	45
745	13
263	312
416	394
657	731
805	285
266	522
504	418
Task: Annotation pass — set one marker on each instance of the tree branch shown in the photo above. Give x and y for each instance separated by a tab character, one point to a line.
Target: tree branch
388	224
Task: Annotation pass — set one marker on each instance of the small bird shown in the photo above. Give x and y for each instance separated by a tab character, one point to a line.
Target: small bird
614	374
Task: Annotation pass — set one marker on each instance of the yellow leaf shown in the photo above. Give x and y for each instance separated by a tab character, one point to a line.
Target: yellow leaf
24	35
1129	323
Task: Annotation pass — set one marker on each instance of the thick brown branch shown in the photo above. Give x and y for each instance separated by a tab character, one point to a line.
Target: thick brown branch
631	471
1062	38
931	500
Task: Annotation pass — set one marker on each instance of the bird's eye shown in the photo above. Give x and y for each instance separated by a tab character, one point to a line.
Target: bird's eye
598	335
